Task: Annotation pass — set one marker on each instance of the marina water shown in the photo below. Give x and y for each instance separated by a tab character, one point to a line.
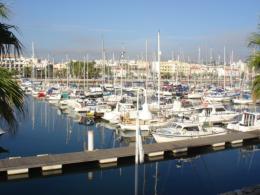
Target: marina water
45	130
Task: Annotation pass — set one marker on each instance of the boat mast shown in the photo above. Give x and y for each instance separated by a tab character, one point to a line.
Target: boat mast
172	76
199	62
231	68
103	64
67	71
121	79
159	74
84	62
146	60
33	74
87	72
114	72
177	69
224	67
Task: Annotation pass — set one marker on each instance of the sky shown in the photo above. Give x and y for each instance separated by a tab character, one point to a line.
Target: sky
77	27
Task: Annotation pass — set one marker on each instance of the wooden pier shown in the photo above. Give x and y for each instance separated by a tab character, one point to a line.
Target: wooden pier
22	165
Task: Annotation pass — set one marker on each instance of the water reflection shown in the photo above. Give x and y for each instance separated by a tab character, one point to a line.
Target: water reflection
46	130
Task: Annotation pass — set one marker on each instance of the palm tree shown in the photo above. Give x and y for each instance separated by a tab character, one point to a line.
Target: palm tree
254	62
11	95
9	43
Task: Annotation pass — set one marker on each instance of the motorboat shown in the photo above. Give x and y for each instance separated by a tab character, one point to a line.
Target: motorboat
218	97
178	109
242	101
213	114
195	94
185	130
250	121
244	98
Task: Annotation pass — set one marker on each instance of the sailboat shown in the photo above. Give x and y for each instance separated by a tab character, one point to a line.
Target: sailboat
244	97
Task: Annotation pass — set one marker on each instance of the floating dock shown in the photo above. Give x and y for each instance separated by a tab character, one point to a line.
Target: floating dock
104	157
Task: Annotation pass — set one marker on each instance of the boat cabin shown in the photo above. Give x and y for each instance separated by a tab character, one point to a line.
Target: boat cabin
250	119
186	126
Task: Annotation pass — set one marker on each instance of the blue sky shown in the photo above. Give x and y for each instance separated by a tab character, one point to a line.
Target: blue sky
76	27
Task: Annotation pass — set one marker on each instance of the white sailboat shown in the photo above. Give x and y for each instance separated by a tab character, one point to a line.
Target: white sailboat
241	99
114	116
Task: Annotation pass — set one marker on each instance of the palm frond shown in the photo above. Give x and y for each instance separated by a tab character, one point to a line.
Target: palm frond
11	97
256	88
254	60
254	40
4	11
9	43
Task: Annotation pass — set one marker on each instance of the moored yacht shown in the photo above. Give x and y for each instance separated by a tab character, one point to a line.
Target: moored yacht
213	114
250	121
195	94
185	130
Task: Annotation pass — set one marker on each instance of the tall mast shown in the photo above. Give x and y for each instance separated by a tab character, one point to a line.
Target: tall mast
52	71
231	68
177	69
67	71
33	50
121	79
114	75
159	61
33	74
87	72
103	63
224	57
45	69
211	57
146	62
199	56
199	62
84	58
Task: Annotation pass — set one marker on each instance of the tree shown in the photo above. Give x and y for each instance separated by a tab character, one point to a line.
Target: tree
11	95
77	69
27	71
9	43
254	62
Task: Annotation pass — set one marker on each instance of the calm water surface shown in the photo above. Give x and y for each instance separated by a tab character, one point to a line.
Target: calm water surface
45	130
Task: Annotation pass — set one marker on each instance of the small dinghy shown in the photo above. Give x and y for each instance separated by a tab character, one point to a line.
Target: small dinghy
86	121
2	132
